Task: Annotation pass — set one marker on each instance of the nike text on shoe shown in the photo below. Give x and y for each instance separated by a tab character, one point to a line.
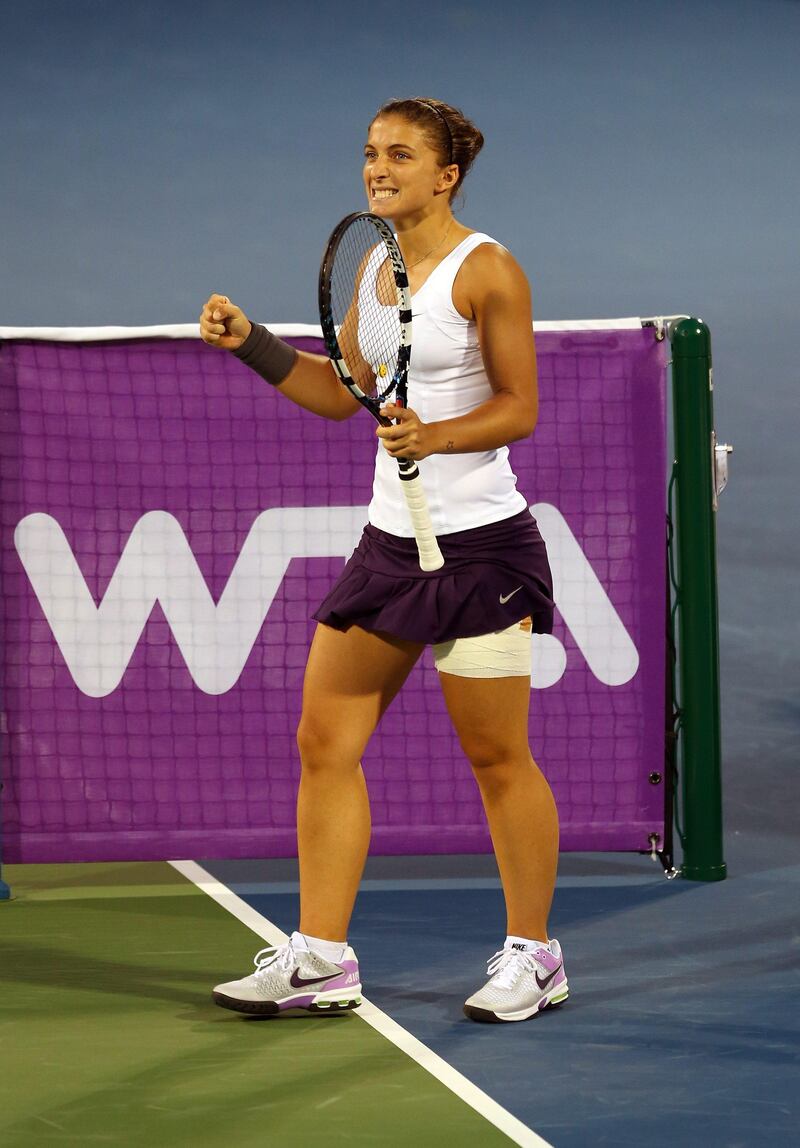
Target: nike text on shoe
288	978
521	985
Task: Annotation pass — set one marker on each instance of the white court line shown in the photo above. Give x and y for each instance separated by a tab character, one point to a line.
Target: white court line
464	1089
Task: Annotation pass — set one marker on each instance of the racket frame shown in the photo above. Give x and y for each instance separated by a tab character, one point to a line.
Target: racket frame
430	556
399	383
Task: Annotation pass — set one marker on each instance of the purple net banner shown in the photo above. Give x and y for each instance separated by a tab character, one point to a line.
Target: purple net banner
168	525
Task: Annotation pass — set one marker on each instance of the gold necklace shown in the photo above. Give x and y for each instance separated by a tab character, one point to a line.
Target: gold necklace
429	253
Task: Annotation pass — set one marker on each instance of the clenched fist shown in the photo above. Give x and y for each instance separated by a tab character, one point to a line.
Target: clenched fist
223	324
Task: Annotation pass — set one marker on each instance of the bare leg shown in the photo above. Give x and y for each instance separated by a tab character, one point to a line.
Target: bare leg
490	716
350	680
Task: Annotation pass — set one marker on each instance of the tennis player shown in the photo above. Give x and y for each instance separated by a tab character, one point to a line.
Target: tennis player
472	391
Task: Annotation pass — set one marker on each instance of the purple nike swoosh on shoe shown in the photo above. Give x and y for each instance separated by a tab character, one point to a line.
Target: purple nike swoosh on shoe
298	982
544	983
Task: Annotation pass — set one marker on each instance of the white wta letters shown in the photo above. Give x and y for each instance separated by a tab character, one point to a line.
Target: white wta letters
586	609
157	565
215	639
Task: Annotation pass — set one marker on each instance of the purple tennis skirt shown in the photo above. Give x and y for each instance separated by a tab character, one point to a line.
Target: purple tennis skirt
492	576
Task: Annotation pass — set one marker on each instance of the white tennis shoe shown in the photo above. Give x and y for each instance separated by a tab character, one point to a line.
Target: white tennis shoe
288	978
522	984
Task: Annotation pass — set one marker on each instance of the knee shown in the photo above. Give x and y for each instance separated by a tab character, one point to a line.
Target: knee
498	766
490	746
322	747
315	743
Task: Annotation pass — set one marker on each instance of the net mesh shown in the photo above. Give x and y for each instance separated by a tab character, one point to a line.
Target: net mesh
169	525
363	303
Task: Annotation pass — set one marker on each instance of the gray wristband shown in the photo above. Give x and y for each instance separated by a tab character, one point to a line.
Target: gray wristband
266	354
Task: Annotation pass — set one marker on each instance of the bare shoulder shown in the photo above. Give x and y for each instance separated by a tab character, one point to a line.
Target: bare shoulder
494	263
490	270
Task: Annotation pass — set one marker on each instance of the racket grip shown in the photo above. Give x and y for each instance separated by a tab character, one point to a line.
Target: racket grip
430	556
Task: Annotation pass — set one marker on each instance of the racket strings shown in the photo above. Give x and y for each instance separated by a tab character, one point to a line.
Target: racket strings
364	309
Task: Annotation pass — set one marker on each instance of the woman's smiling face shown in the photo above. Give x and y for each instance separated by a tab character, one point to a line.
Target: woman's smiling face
402	172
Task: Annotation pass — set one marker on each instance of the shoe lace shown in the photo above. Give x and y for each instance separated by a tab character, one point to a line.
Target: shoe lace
281	956
508	965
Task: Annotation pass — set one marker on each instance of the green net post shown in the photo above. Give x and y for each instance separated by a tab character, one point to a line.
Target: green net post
695	445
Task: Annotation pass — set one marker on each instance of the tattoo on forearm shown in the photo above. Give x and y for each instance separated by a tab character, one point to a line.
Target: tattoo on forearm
450	445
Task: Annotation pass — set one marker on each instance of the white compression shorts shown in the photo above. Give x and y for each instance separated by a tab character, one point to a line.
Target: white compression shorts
503	654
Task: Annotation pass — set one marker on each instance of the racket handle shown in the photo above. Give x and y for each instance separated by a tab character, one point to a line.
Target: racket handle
430	556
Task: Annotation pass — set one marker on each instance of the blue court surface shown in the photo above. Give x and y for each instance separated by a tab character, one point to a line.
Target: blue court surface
679	1029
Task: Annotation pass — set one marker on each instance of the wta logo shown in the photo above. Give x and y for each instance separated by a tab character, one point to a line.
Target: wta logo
157	565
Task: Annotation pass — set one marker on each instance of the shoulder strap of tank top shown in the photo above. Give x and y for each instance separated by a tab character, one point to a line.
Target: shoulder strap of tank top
452	261
444	274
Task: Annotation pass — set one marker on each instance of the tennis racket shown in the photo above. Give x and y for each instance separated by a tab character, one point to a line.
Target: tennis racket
365	311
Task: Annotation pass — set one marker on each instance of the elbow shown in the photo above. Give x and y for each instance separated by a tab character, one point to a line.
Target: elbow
341	405
523	416
525	424
524	430
344	412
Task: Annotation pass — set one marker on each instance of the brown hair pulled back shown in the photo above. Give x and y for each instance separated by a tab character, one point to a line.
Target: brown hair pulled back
447	130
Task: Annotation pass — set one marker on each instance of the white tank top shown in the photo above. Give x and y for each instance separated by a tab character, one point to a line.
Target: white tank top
447	378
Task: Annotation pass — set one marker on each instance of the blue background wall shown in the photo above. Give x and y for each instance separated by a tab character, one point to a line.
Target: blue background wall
640	159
